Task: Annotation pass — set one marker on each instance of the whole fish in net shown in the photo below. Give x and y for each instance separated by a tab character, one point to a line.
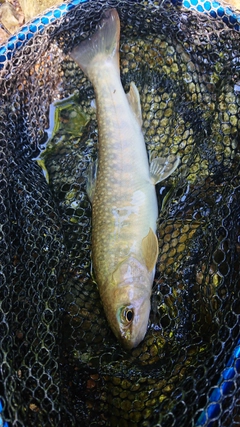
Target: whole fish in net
121	188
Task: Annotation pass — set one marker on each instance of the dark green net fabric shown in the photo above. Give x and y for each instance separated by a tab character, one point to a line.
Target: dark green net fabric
60	364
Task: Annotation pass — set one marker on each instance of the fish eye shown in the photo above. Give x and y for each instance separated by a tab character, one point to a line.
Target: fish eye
127	314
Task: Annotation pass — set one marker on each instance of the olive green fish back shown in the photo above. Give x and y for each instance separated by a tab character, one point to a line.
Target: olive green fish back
60	363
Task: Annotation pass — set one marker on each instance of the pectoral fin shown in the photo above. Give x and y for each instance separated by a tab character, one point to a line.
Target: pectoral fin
161	168
150	249
91	179
134	102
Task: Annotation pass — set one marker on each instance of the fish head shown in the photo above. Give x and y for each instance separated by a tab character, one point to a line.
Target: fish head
132	314
128	305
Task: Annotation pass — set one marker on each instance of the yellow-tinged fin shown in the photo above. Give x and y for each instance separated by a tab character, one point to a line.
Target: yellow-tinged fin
161	168
134	102
150	249
102	45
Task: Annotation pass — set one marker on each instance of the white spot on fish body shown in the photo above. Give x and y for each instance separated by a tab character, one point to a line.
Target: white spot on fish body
122	214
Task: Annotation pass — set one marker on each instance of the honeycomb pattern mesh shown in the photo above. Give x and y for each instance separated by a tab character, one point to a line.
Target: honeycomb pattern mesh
60	363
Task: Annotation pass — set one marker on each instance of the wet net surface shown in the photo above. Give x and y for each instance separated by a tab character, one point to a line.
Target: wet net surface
60	363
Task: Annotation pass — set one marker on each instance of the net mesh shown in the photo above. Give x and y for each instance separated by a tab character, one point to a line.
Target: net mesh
60	362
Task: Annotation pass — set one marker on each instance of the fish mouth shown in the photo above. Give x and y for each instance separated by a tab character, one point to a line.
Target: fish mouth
127	342
126	337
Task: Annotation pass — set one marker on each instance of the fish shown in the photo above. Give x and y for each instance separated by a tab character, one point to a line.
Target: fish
121	187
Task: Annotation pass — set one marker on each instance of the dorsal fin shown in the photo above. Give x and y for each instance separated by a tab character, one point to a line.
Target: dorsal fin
134	102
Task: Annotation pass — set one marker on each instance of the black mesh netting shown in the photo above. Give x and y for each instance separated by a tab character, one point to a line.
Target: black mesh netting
60	363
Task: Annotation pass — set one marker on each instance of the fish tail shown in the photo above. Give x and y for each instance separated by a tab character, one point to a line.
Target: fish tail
102	46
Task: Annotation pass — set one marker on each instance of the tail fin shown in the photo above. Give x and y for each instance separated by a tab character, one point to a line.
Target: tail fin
104	43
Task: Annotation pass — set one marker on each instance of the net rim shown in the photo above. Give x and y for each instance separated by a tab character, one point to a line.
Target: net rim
38	24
